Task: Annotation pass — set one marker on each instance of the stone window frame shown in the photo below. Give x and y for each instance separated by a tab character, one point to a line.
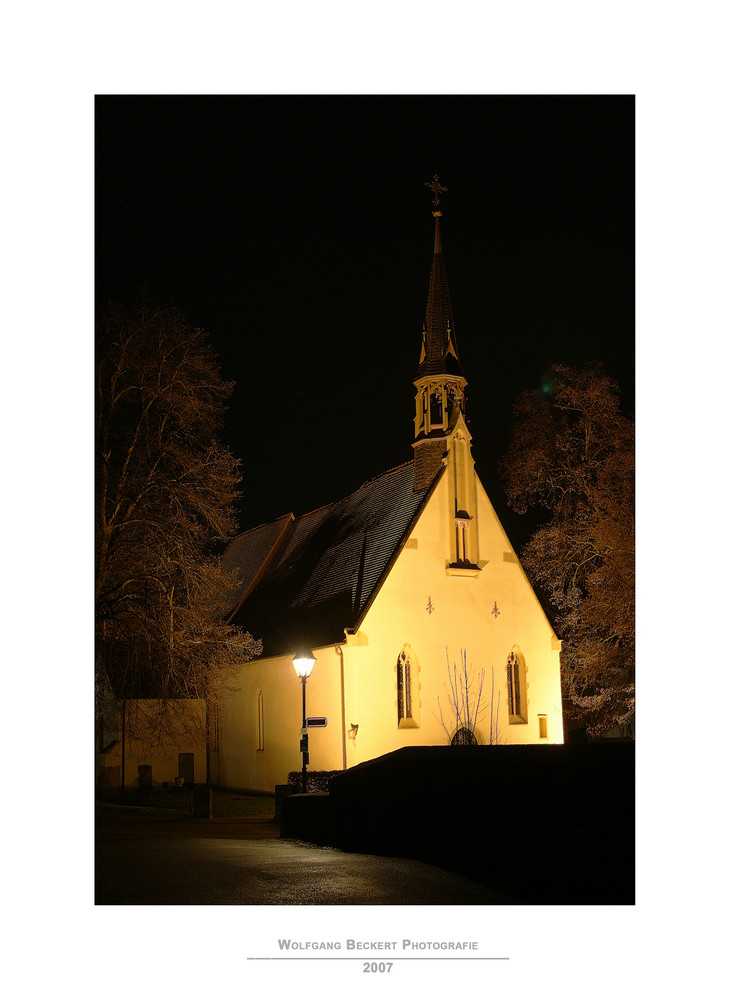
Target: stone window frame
408	688
516	688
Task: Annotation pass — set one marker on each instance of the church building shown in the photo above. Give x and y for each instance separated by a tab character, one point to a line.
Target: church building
407	594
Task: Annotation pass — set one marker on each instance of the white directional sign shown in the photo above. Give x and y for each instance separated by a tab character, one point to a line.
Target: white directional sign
316	722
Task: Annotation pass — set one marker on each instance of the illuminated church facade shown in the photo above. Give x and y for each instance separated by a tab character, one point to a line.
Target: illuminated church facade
410	597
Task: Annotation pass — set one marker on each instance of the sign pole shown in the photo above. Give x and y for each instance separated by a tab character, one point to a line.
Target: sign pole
305	738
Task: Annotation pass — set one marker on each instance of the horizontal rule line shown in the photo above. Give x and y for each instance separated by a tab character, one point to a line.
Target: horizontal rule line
362	958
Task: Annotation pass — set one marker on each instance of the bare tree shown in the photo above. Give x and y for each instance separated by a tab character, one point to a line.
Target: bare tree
572	454
466	706
165	493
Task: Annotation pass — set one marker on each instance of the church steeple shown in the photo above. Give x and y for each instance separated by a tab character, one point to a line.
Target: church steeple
439	354
442	437
440	381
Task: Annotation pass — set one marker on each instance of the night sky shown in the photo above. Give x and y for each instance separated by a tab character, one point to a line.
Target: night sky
298	232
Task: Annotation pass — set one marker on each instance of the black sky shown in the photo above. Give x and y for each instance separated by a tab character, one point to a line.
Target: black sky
298	232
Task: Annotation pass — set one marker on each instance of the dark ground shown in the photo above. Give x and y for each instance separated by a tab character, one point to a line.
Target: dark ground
155	859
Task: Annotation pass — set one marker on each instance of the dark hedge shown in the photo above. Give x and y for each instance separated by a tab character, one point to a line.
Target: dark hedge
317	781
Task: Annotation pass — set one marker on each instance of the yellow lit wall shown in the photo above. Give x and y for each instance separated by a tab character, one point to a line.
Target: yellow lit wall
460	618
240	764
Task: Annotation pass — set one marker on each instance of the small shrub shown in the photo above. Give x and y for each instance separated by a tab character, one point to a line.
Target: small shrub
317	781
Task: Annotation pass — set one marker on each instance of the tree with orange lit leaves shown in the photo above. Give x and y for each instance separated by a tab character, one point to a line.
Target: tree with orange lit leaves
165	492
572	454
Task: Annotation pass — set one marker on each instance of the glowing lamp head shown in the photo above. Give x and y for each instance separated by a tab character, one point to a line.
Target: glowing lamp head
304	660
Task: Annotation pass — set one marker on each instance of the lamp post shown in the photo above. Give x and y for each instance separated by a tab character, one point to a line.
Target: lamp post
304	660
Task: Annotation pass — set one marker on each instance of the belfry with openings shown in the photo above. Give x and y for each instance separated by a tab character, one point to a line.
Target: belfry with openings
423	625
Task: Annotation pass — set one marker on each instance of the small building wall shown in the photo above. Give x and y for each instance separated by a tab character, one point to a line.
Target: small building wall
157	744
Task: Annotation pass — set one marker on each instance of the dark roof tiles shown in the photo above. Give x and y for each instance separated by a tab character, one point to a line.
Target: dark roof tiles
328	566
247	553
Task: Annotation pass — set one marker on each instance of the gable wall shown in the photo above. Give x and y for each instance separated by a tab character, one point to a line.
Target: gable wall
460	618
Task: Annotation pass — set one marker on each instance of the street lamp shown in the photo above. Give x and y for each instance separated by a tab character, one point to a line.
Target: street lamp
304	660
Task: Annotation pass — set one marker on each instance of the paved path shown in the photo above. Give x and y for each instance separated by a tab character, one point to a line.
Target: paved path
148	860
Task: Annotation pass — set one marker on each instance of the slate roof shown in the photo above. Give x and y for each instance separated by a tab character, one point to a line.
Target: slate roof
325	567
247	554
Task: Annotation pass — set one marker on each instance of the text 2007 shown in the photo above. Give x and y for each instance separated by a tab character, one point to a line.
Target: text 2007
377	966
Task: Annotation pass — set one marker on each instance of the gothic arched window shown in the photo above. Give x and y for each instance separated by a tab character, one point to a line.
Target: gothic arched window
408	688
259	717
516	688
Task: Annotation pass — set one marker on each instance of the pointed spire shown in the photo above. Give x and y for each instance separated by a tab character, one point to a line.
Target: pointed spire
437	235
440	383
439	355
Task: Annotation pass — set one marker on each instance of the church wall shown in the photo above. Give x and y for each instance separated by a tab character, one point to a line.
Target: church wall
425	609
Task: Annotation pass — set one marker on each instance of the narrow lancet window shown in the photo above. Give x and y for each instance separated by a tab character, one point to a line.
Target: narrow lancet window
405	704
408	688
259	720
437	418
516	693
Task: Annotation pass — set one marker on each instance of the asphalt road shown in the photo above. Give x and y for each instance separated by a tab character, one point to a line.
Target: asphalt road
147	860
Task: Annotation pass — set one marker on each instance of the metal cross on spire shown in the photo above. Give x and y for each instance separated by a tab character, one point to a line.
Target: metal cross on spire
437	188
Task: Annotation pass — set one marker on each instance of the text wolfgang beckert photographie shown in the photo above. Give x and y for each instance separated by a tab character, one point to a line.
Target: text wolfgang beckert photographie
354	944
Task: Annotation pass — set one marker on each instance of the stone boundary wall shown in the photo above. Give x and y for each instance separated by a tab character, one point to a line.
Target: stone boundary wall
540	824
306	817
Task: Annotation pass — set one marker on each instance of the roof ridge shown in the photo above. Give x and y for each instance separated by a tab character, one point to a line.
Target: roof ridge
264	524
381	474
367	482
323	506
